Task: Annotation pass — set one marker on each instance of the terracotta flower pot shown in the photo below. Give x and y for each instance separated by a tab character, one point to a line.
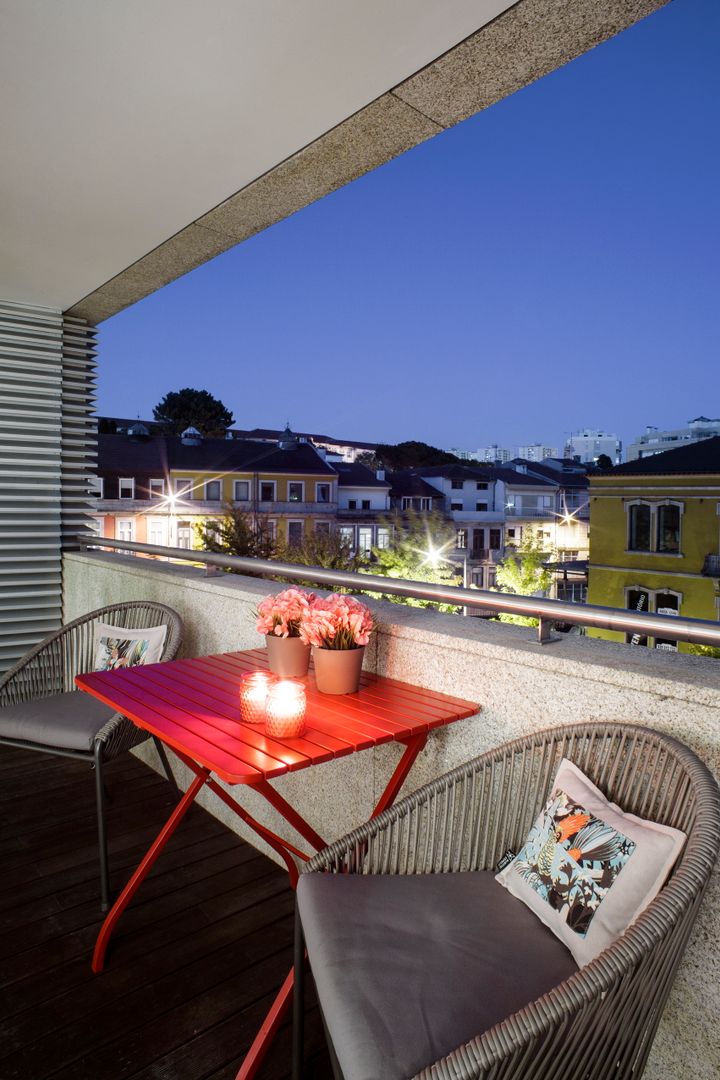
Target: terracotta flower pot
288	656
337	671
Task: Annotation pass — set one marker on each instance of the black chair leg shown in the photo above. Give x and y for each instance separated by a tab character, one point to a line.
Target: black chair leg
298	1045
164	762
102	835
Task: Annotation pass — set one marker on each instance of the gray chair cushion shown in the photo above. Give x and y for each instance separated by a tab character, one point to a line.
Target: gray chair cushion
407	968
66	721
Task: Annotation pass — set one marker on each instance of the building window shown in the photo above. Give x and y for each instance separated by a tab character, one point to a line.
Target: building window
126	487
456	485
461	538
156	531
666	603
668	528
383	537
267	491
183	487
547	502
184	535
495	541
481	487
241	490
294	533
661	603
125	528
511	534
352	504
365	504
654	527
347	536
157	489
213	491
492	577
96	525
478	576
456	506
481	507
212	527
268	529
365	540
322	528
95	488
322	493
639	527
295	491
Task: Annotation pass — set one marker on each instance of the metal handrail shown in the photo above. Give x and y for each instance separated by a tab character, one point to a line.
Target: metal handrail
548	612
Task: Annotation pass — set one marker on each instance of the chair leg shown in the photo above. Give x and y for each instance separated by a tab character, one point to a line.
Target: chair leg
298	1045
164	762
102	835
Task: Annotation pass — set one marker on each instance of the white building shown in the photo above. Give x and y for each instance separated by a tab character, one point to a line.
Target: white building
491	454
587	445
537	452
654	441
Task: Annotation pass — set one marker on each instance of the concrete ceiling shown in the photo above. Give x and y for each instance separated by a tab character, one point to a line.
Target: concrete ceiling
140	139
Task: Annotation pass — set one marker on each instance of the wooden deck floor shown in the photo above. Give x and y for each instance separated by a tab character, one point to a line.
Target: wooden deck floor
193	965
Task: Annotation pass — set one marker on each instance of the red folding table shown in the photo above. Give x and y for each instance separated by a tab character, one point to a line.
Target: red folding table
193	707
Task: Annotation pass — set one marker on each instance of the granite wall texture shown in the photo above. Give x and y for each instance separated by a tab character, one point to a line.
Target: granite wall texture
521	686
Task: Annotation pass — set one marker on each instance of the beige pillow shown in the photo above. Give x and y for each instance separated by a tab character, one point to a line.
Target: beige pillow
117	648
587	869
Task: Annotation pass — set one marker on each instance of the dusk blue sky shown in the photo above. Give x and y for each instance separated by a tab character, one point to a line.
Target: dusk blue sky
548	265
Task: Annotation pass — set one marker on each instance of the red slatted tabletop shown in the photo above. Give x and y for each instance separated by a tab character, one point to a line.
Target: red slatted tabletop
193	707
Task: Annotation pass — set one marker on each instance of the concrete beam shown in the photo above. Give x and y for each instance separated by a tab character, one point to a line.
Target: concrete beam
528	41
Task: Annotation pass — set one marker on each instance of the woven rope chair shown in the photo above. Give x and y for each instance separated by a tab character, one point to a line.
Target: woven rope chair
90	731
599	1022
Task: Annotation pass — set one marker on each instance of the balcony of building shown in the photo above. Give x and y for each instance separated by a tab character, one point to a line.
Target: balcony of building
202	952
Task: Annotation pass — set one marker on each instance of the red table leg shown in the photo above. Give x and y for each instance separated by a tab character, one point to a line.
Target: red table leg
255	1055
98	960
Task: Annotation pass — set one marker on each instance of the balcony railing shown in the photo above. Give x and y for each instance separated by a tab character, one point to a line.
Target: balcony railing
711	566
547	612
530	512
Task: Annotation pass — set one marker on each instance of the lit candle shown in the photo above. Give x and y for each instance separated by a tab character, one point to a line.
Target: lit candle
254	688
285	710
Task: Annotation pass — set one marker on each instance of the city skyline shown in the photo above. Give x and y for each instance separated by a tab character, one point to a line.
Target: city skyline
546	266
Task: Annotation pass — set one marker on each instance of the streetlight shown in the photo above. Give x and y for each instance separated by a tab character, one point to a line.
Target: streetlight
434	556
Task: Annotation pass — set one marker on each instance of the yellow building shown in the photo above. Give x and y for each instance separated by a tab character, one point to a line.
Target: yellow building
160	490
655	537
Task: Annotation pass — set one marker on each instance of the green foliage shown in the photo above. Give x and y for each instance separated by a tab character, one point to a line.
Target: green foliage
604	461
522	572
236	534
701	650
412	454
412	536
180	409
369	460
328	550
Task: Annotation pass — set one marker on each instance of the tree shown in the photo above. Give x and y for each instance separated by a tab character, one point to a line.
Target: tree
236	534
604	461
413	454
181	409
326	549
418	552
522	572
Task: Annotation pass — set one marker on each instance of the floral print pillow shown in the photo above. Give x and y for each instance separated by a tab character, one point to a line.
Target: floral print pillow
587	869
571	859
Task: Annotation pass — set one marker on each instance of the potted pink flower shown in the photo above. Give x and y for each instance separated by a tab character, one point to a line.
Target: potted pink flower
281	617
338	628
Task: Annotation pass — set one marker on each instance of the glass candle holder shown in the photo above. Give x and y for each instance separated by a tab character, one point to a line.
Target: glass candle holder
254	688
285	710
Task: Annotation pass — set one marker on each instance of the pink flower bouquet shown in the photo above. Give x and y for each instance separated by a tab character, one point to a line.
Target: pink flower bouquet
337	622
284	613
